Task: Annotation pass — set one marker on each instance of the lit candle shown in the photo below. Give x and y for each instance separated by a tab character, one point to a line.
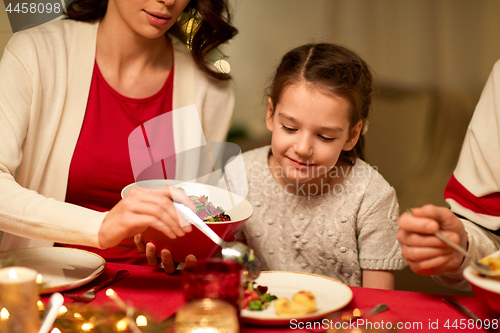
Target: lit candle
111	294
207	316
19	296
128	312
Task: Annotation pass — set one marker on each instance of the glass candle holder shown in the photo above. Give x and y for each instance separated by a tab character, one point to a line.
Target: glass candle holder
18	300
215	279
207	316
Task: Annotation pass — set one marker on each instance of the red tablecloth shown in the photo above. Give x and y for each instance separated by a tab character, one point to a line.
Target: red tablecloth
151	289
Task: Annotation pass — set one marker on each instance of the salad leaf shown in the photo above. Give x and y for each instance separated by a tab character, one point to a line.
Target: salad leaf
255	306
267	298
256	297
207	211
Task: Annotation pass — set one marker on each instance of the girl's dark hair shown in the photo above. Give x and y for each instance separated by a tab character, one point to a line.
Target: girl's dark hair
211	28
334	69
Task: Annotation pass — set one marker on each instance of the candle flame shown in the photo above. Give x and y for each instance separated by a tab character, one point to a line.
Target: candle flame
110	292
63	309
39	279
141	321
4	314
12	273
87	326
356	312
55	330
205	330
122	325
40	305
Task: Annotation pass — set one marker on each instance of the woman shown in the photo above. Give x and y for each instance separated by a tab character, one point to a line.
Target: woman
72	90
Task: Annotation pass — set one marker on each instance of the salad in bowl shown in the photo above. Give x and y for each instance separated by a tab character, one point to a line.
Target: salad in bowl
224	211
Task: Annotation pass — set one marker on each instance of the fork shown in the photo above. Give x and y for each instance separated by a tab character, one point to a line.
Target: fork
90	294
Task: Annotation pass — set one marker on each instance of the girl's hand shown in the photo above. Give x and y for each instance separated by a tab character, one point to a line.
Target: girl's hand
166	256
425	253
143	208
378	279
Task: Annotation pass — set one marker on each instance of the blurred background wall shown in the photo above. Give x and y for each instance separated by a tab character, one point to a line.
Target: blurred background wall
5	28
430	58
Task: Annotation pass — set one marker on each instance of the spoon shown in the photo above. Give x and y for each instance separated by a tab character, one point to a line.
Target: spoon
234	251
479	267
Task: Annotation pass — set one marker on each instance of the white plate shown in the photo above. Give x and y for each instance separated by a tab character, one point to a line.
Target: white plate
482	282
61	268
331	295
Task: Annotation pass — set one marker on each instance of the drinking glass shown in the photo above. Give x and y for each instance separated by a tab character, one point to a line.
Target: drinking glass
215	279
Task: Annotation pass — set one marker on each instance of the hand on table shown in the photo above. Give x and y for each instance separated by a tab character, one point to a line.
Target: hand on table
166	256
425	253
143	208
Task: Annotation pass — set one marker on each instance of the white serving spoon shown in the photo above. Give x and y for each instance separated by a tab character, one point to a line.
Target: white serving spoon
234	251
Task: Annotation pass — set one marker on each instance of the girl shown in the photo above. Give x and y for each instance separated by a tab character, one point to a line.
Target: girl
72	91
318	207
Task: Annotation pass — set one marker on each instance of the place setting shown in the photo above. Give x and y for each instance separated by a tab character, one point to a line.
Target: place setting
225	294
60	269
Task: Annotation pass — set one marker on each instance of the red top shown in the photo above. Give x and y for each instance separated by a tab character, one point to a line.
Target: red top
100	167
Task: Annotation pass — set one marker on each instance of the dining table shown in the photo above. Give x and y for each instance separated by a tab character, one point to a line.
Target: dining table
151	290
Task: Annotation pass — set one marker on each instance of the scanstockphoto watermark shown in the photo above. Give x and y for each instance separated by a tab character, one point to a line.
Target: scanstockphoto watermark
352	180
355	324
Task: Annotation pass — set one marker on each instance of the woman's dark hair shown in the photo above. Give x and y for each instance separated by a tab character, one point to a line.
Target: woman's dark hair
211	26
334	69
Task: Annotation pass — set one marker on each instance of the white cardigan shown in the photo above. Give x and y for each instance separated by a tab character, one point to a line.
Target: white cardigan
45	76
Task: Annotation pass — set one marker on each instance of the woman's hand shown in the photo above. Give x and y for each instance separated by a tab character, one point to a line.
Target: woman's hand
166	256
425	253
143	208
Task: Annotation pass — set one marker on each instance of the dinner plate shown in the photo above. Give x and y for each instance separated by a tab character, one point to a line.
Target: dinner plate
331	295
61	268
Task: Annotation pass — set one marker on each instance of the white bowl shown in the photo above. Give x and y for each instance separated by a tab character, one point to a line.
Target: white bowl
486	289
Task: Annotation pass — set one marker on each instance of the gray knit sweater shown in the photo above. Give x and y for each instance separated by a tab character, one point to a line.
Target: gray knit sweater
338	234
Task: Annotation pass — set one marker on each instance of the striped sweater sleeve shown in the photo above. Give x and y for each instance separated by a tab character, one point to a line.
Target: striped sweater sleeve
473	191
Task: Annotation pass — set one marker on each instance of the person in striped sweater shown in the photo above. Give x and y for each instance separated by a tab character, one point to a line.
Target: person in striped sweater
473	193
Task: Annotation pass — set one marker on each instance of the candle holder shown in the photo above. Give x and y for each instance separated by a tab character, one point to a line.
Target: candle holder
18	300
215	279
207	316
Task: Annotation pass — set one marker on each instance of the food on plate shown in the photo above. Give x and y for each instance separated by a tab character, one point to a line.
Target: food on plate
256	298
301	304
286	308
493	263
307	299
206	210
